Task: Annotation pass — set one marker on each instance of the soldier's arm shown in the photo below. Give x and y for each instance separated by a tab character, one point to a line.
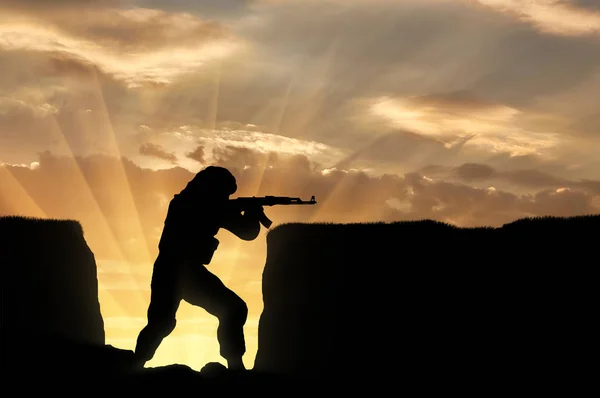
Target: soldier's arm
245	226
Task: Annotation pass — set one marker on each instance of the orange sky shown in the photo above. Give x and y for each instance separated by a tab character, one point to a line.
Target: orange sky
464	111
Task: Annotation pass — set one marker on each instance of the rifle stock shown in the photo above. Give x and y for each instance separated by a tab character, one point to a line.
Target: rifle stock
243	203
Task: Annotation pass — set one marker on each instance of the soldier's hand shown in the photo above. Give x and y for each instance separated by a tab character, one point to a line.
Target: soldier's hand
254	211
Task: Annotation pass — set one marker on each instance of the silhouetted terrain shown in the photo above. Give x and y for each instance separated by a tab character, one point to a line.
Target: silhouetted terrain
50	314
419	303
423	300
51	327
48	280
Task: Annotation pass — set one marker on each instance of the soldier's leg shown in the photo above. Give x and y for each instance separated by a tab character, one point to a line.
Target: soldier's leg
164	302
204	289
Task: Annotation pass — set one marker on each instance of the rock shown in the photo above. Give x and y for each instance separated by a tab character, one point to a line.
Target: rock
48	282
427	299
213	369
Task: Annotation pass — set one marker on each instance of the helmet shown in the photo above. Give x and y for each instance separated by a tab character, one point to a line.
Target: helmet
213	180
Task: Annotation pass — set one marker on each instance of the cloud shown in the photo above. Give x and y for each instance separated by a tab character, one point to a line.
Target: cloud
562	202
15	107
266	143
204	8
141	29
359	88
56	186
535	178
469	78
551	16
590	4
214	143
150	149
524	176
403	149
492	125
138	46
473	171
197	154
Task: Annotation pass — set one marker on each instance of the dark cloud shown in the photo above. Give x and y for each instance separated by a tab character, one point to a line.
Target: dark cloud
47	74
393	46
197	154
203	8
139	30
587	124
566	61
86	109
534	178
512	178
157	151
562	203
593	5
240	158
509	162
591	185
63	65
473	171
531	178
399	148
24	125
462	100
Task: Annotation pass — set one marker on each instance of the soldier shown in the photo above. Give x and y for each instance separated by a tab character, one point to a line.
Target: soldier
187	244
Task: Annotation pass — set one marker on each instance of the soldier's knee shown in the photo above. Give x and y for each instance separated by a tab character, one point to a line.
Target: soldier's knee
236	311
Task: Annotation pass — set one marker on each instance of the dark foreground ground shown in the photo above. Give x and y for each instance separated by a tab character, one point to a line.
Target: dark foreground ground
80	370
412	307
58	366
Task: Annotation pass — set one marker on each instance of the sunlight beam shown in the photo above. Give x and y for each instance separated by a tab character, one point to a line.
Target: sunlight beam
284	106
121	182
16	197
340	201
213	105
314	99
96	218
260	187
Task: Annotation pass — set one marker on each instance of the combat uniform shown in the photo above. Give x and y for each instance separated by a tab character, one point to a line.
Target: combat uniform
186	246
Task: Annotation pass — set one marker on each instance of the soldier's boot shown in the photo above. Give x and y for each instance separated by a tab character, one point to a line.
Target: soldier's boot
236	364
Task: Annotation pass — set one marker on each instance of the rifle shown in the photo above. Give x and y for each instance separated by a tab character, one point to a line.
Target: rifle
244	203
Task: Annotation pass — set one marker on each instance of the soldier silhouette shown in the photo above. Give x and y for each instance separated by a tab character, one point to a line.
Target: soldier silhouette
187	244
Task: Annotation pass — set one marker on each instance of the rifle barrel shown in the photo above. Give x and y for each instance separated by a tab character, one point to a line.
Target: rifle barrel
275	200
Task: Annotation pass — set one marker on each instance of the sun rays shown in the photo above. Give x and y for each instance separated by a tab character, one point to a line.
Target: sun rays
16	198
116	219
99	223
316	89
106	204
23	203
120	180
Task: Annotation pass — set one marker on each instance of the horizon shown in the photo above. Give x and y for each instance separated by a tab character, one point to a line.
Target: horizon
472	113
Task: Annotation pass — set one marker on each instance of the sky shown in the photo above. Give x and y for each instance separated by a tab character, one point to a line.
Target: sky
471	112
